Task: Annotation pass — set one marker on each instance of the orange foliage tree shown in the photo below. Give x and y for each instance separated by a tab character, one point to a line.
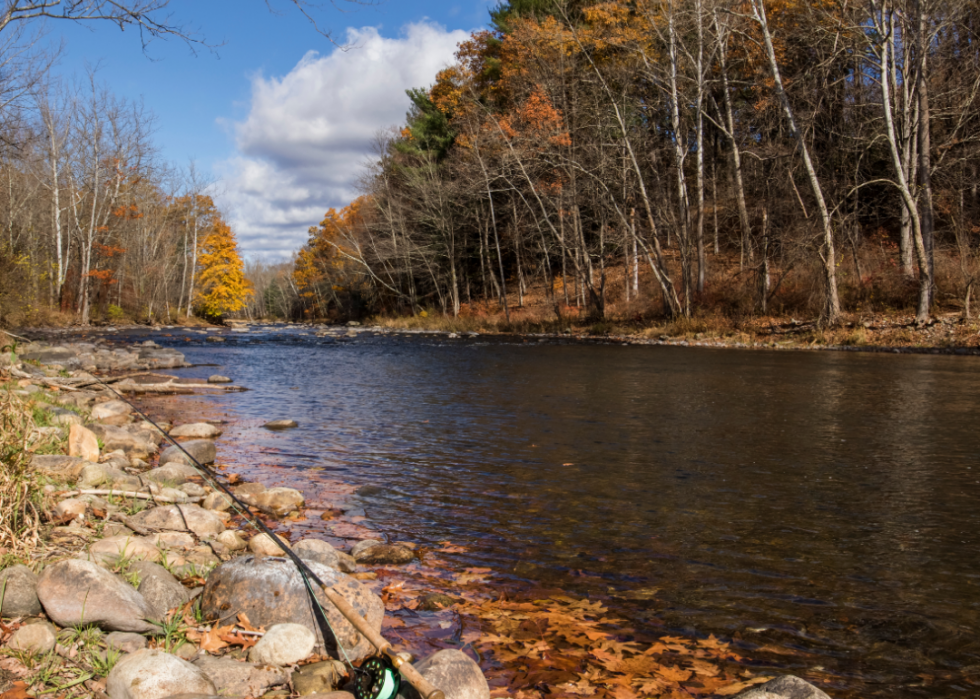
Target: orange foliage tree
221	284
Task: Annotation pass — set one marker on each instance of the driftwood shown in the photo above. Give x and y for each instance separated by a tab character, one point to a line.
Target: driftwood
116	379
171	387
134	494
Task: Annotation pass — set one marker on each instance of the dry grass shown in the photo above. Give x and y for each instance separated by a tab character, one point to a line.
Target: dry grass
20	489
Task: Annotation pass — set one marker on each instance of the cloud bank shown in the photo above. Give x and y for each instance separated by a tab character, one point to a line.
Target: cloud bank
309	133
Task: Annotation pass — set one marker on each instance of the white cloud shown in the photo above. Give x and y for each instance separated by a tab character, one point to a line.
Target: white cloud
308	134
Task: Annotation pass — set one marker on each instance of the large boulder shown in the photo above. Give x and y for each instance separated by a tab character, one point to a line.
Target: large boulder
196	430
238	679
19	590
75	592
83	443
181	518
161	589
153	674
321	552
283	644
137	444
60	468
51	355
785	687
452	671
201	449
271	591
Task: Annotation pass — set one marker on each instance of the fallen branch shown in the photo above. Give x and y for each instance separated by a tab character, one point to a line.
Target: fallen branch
132	494
171	387
116	379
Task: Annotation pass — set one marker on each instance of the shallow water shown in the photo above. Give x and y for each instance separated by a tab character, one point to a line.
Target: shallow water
821	509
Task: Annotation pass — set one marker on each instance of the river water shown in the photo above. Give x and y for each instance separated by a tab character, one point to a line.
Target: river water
820	509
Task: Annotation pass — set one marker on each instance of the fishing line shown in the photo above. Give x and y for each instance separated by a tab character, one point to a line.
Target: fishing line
365	677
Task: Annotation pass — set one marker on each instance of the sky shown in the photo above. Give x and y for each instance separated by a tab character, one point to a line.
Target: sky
277	119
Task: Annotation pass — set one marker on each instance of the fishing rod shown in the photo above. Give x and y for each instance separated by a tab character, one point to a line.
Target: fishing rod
378	677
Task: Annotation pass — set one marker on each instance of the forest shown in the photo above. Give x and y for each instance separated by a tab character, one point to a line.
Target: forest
630	159
672	158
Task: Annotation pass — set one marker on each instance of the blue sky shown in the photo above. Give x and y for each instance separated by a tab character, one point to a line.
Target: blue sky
278	117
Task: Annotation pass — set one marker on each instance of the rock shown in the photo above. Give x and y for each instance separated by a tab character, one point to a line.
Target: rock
75	592
263	545
186	651
452	671
125	642
163	592
319	551
214	338
216	501
248	489
231	540
60	468
82	443
110	408
280	424
179	518
385	554
50	355
71	508
276	501
362	546
173	473
19	590
196	430
153	674
271	591
135	445
434	601
172	540
235	678
34	638
283	644
316	678
117	547
201	449
60	416
218	378
785	687
193	490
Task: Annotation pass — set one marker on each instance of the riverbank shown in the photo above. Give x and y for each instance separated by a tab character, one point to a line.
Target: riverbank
427	601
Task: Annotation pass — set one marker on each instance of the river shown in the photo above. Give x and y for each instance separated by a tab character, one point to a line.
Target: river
819	508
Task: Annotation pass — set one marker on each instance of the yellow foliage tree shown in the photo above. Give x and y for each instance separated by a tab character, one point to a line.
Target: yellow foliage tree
221	284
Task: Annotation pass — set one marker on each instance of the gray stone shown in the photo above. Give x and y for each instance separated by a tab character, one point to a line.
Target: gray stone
61	468
264	545
216	501
181	518
153	674
163	592
248	489
34	638
135	445
61	416
271	591
452	671
231	540
111	408
201	449
280	424
75	592
236	678
125	642
193	489
196	430
283	644
785	687
385	554
175	473
53	355
362	546
18	589
114	548
319	551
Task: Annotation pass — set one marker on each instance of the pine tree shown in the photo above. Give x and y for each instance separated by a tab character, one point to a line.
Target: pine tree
221	284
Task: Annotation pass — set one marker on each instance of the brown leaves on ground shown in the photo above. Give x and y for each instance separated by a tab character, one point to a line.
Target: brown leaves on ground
565	647
18	691
219	637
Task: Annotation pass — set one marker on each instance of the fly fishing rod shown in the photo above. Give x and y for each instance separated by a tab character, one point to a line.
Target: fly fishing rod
377	678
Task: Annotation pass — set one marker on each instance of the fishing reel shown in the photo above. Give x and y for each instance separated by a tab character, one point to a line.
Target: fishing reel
377	678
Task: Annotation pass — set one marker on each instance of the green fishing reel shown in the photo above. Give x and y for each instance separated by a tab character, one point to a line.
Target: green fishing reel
377	678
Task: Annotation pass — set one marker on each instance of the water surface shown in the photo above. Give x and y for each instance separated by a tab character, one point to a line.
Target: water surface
821	509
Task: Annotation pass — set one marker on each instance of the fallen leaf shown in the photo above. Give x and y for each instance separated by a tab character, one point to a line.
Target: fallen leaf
18	691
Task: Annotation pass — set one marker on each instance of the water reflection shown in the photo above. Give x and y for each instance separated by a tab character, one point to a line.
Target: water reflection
821	502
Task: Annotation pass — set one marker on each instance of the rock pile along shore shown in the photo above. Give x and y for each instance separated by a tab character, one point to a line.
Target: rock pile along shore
154	587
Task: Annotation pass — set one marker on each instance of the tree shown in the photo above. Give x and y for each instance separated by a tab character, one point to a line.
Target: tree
222	286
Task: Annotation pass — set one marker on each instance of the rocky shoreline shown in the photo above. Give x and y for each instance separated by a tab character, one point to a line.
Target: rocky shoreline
152	584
